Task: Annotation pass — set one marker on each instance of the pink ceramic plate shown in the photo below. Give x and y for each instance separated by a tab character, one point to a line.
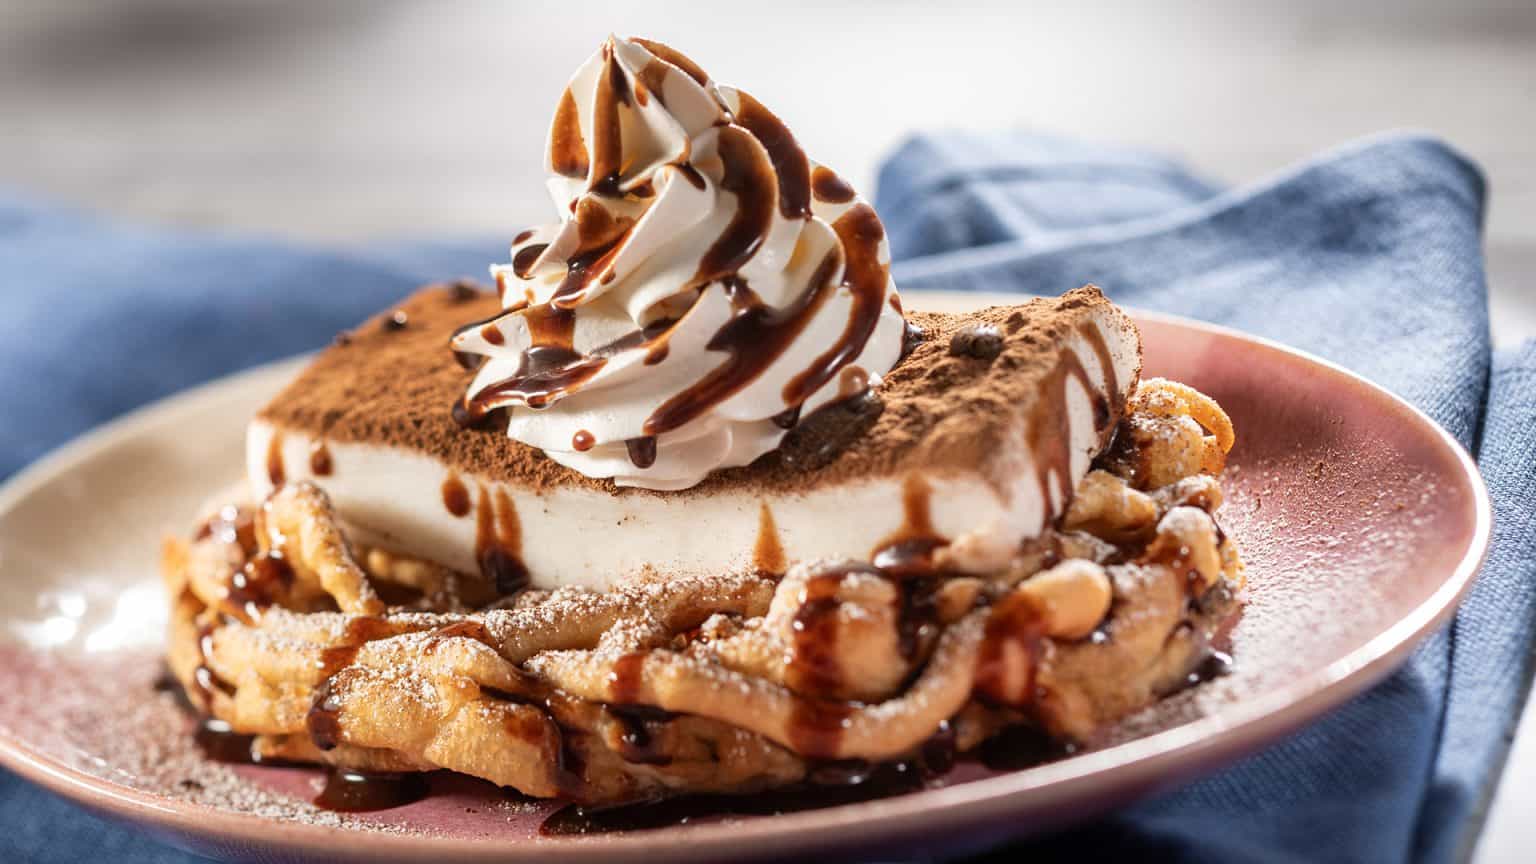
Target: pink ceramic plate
1361	520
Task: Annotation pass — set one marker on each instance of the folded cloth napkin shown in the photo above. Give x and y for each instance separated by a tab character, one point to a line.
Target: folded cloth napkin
1369	256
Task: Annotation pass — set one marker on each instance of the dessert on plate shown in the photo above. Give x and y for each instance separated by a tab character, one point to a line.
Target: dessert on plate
688	503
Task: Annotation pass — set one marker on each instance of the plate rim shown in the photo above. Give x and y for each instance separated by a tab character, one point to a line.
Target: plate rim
1189	749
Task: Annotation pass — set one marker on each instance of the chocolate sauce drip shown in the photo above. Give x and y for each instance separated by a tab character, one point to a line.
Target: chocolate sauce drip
768	557
642	451
860	232
221	743
816	725
749	175
203	678
909	551
651	82
1095	339
814	666
1217	664
455	496
784	152
642	727
789	418
582	441
262	582
567	149
676	58
600	232
828	187
549	368
466	359
754	337
499	542
350	791
607	128
523	262
320	463
358	632
1014	629
523	236
275	472
492	334
692	175
847	782
938	754
1049	427
1019	747
624	682
324	718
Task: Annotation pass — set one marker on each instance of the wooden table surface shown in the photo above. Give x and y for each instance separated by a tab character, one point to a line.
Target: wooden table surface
350	120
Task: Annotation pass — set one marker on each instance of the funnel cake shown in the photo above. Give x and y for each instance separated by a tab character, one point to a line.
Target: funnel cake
332	651
693	506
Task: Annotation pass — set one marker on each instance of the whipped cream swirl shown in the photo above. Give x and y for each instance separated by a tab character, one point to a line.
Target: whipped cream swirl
707	285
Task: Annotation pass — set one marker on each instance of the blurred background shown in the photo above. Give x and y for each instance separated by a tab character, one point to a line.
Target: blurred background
342	121
346	121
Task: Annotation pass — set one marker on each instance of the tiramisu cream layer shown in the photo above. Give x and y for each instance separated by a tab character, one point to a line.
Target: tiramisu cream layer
970	444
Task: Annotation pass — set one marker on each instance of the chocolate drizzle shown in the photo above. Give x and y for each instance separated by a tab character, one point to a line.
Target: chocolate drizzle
499	542
789	162
813	667
221	743
522	262
275	472
749	175
261	582
624	682
865	277
320	463
768	557
1049	428
765	173
642	451
567	148
830	188
323	722
675	57
905	560
350	791
455	496
642	728
607	128
754	337
1010	649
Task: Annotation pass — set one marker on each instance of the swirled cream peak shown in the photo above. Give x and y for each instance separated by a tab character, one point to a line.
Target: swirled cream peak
707	284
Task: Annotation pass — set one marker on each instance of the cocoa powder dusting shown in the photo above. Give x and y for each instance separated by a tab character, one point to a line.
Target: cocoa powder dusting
394	388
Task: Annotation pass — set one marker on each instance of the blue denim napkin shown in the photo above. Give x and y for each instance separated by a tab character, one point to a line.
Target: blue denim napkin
1369	256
